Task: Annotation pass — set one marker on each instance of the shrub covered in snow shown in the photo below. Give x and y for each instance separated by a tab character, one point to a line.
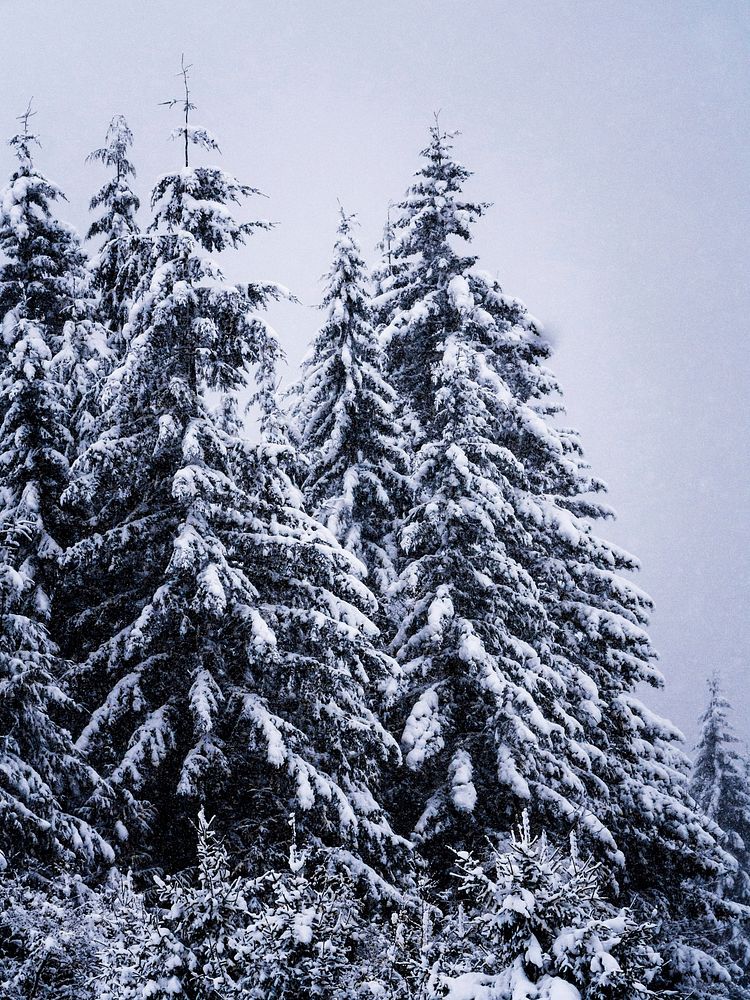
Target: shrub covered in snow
47	937
537	927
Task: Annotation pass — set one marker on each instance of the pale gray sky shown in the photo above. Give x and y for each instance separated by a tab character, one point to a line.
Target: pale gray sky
612	139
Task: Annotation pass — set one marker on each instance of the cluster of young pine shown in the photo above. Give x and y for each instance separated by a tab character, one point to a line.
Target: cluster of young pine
382	611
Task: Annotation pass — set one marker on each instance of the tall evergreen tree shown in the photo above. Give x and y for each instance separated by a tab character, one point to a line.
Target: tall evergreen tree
346	414
230	665
115	270
485	722
500	549
43	781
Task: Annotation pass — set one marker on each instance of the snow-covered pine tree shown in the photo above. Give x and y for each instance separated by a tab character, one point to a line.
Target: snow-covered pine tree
47	270
600	758
48	267
533	923
719	779
115	270
80	365
42	778
44	783
230	665
485	721
719	784
187	942
306	936
347	421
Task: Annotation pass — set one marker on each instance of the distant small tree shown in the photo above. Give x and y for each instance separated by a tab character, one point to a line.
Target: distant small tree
719	780
413	962
290	933
720	785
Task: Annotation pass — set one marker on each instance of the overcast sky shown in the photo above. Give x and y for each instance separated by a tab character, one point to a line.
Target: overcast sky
611	138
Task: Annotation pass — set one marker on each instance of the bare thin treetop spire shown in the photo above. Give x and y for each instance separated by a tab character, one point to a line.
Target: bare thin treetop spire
187	106
28	113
